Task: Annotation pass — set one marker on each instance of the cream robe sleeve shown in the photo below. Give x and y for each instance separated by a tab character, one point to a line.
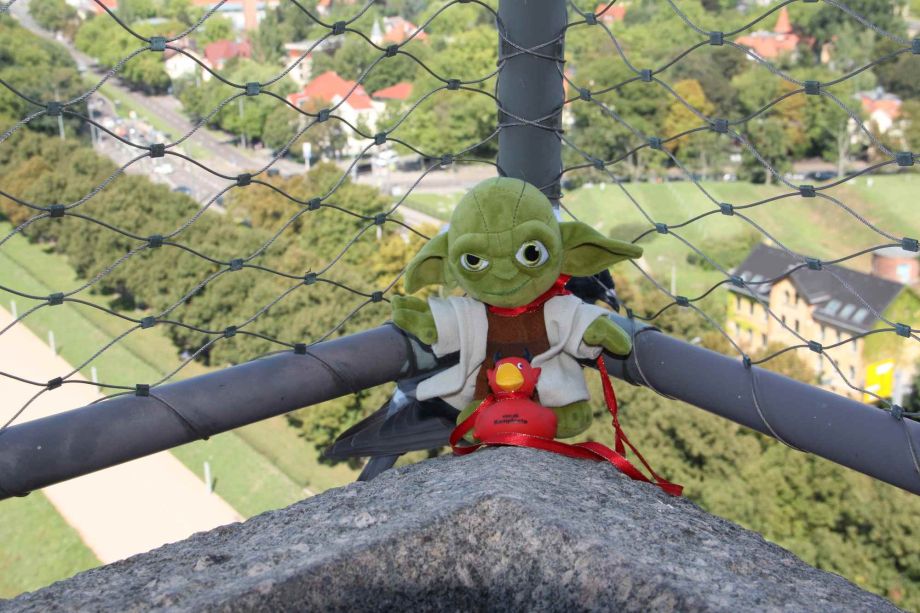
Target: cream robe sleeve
562	381
462	327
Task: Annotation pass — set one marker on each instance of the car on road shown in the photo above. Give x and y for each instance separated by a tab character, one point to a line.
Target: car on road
183	189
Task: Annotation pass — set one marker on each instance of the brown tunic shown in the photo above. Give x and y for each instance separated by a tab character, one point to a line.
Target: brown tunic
511	336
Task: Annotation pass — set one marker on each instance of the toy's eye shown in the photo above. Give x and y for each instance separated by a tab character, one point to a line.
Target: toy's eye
473	263
520	366
532	254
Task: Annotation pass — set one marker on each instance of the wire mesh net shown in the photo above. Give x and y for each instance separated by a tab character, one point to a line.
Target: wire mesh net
633	117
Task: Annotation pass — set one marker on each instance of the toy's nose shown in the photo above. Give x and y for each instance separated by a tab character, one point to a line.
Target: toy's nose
508	378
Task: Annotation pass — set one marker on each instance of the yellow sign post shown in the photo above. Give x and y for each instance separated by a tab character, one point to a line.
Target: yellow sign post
879	380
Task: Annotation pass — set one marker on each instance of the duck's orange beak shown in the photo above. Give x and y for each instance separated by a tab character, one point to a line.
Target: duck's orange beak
508	378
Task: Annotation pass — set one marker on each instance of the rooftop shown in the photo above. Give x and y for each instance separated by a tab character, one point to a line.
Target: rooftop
826	289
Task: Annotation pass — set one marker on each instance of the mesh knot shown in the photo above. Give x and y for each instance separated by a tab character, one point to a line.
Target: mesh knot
682	301
309	278
590	19
377	297
812	88
157	43
142	389
646	75
313	204
148	322
815	346
904	158
897	412
655	143
814	263
155	241
300	348
807	191
57	210
392	50
323	115
253	88
716	38
54	109
230	331
55	299
661	228
453	84
157	150
726	208
902	330
244	179
338	28
54	383
236	264
720	126
910	244
737	281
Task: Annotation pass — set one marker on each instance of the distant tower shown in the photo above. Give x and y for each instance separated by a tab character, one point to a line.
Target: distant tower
896	265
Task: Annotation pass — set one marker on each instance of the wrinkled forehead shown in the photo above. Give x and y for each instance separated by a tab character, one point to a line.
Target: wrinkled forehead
499	206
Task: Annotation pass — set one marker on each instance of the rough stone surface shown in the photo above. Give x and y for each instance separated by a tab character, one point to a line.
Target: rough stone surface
500	529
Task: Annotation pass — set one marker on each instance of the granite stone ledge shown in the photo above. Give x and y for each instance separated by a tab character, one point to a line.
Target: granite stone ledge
500	529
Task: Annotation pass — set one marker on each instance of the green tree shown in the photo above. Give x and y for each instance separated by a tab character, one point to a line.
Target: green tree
54	15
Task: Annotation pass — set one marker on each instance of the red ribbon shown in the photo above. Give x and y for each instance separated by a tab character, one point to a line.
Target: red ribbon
585	451
557	289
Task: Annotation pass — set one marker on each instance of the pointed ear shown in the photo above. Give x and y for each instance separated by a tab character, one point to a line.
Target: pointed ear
588	252
428	265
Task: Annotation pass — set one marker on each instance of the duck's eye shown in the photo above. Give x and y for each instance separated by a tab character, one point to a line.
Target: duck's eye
473	263
532	254
520	366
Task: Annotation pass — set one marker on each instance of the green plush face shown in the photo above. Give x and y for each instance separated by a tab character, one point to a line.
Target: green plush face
505	247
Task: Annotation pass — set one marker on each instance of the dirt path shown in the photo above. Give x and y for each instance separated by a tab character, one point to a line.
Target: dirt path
123	510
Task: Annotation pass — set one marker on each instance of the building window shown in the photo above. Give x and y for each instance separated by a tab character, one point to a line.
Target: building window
823	333
903	273
750	335
763	339
784	320
788	297
852	374
738	303
839	336
751	306
796	326
855	346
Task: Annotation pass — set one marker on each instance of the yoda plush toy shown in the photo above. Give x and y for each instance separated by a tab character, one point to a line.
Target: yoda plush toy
507	251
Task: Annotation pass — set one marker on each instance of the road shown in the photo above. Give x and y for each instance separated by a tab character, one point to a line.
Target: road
223	156
123	510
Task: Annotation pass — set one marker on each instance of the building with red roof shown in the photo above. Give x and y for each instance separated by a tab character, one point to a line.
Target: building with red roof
882	108
400	91
220	52
770	45
350	99
611	15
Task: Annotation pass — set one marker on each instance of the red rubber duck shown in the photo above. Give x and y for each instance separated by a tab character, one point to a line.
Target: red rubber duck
513	382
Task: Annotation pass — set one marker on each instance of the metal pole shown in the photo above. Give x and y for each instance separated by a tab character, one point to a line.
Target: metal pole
52	449
845	431
45	451
530	89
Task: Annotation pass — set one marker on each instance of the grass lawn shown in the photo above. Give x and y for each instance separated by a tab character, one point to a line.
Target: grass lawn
246	479
297	460
436	205
37	546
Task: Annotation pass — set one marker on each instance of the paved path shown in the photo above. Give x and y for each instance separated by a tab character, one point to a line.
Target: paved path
122	510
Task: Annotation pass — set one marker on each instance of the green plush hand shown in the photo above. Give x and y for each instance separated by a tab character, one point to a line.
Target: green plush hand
414	316
603	332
